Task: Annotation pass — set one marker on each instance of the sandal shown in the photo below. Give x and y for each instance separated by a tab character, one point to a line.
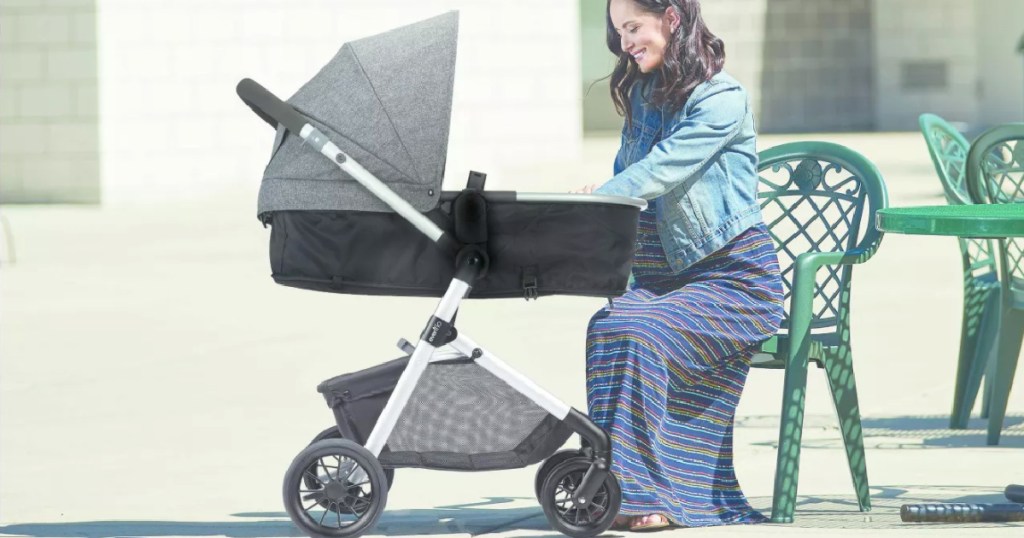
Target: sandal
650	522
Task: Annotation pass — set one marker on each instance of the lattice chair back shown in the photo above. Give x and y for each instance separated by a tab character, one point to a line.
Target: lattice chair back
948	149
995	175
820	197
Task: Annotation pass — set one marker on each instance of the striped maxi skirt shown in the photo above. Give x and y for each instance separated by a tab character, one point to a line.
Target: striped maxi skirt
666	364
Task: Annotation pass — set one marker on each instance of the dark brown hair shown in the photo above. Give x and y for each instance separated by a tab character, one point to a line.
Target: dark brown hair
693	56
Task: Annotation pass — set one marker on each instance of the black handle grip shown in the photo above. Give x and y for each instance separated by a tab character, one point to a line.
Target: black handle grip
267	105
1015	493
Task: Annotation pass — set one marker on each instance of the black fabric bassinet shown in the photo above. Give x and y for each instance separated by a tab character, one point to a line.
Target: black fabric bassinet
537	245
359	161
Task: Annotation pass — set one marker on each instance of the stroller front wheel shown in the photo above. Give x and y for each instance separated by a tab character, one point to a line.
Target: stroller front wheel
334	433
333	501
556	498
551	463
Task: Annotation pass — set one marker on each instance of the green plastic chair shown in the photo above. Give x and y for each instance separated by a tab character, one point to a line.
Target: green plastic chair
948	149
995	175
819	201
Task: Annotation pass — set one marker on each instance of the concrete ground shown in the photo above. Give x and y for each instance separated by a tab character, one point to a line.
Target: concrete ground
155	382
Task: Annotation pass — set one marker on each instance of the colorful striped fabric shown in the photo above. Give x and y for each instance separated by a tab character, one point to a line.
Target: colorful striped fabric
666	363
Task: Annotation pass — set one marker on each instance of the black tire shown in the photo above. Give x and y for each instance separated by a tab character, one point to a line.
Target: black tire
334	433
556	500
362	508
550	463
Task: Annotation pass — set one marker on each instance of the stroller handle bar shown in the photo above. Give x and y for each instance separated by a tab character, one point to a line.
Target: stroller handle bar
275	111
267	106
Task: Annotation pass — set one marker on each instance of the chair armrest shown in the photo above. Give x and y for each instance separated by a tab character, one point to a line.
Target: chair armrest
801	301
816	260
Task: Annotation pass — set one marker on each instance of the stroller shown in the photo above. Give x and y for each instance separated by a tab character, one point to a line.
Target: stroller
388	229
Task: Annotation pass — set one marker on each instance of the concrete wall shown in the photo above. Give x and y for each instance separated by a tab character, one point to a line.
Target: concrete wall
1000	28
817	59
740	24
49	127
163	73
926	61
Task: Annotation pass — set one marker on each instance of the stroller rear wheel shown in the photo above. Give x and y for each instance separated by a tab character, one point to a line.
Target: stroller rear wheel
353	504
556	498
334	433
550	463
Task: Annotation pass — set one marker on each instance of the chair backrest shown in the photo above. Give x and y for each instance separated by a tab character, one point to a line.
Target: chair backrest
995	175
948	149
820	197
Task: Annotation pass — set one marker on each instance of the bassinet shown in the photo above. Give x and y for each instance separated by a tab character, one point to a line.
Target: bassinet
384	102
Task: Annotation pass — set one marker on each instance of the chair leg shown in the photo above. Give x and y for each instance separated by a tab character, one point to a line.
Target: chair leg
989	366
787	466
843	386
976	351
1011	331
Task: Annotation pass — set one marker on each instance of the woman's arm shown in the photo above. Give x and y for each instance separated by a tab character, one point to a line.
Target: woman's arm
696	139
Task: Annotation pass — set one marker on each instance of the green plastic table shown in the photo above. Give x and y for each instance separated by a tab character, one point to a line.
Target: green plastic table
993	221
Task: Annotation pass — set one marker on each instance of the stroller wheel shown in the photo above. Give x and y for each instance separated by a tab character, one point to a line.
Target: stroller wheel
354	502
550	463
334	433
564	516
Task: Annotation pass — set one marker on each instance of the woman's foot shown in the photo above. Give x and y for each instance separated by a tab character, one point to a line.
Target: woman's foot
649	523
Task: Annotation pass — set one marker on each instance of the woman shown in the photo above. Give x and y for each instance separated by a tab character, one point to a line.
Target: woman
667	361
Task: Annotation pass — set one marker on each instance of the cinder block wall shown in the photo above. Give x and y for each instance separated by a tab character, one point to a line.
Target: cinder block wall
154	94
49	121
172	126
926	61
819	66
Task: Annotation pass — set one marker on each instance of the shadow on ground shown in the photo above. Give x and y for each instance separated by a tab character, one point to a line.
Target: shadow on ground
473	519
482	518
907	432
840	511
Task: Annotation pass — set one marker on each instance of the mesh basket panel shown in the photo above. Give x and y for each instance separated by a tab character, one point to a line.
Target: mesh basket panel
462	408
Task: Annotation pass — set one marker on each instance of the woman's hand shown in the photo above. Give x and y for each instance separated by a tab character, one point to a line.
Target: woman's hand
589	189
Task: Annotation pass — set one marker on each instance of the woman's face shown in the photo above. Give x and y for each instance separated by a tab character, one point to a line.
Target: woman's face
642	35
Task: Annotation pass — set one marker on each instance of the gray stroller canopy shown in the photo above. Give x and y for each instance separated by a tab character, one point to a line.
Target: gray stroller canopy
386	101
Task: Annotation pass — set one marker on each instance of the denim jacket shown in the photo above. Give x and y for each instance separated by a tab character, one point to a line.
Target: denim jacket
700	164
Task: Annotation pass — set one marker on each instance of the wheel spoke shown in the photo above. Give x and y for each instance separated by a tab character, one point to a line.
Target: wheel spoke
352	508
322	516
326	470
352	468
313	476
316	496
338	513
365	503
